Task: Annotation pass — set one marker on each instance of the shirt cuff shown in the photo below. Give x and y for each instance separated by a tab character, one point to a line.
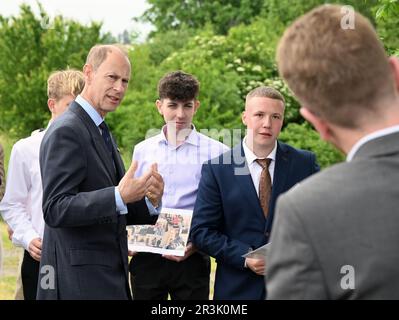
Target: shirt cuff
26	238
245	259
120	206
151	209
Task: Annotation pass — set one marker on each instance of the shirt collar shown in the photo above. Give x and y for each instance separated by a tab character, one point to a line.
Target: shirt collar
193	138
369	137
93	114
251	157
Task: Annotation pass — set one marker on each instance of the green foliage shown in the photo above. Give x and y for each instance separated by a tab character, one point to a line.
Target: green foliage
286	11
229	45
168	15
226	66
304	137
163	45
386	15
31	47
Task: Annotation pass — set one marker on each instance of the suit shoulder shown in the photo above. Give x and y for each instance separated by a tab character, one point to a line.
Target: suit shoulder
221	158
68	120
296	152
212	142
319	186
67	125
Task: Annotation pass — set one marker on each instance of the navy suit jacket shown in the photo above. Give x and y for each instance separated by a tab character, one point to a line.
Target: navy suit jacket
228	220
84	253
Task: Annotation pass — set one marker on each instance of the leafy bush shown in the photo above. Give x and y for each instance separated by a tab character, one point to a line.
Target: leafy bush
31	47
304	137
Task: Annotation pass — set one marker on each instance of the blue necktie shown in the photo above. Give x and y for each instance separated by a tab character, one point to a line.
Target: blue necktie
106	136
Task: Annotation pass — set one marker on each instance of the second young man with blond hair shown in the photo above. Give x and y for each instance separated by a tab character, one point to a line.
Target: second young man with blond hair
234	210
21	206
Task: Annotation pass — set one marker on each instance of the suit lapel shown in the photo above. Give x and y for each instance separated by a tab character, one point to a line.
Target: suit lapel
119	166
96	139
244	179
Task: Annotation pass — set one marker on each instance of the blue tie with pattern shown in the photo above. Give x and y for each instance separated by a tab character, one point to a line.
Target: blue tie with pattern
106	136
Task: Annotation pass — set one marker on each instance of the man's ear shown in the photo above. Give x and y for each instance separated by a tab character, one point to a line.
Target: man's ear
51	104
87	72
196	105
244	118
158	103
322	127
394	62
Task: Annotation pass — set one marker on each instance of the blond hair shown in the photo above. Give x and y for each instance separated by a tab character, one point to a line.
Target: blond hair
99	53
265	92
339	74
63	83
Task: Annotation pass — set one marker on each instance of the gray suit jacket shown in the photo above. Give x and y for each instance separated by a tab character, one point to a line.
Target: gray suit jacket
336	236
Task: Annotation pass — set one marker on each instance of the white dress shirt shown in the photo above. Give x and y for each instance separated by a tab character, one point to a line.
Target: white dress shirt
255	168
21	206
180	166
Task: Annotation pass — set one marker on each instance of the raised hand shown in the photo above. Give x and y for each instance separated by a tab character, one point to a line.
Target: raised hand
155	186
133	189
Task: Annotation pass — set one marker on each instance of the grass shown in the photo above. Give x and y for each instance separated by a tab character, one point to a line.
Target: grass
11	256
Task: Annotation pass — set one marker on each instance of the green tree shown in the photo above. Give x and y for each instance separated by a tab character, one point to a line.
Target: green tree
287	11
387	17
31	47
304	137
223	14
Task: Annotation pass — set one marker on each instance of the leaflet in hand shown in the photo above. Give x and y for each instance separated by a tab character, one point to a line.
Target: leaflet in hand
168	236
259	253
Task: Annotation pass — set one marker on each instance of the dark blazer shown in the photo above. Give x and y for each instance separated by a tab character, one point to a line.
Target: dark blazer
84	254
228	220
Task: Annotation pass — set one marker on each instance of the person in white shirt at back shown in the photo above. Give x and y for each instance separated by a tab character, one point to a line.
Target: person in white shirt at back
21	206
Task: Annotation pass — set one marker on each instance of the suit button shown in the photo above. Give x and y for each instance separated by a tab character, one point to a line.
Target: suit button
267	234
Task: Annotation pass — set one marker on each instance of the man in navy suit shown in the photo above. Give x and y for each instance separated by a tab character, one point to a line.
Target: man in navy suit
87	197
231	217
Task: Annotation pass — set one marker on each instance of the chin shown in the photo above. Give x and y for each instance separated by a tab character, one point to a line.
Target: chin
266	144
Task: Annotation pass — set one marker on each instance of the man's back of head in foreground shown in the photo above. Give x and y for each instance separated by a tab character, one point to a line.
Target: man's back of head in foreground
340	75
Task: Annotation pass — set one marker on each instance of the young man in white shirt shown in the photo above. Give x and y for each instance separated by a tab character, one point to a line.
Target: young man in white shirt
179	151
2	188
21	206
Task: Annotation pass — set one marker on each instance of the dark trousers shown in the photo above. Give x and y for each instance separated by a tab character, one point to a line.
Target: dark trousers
29	274
153	277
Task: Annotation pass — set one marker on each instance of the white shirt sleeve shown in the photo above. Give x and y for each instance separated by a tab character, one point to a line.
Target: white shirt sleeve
14	205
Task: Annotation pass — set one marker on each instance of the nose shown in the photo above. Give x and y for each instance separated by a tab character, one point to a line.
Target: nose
267	122
180	112
119	86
